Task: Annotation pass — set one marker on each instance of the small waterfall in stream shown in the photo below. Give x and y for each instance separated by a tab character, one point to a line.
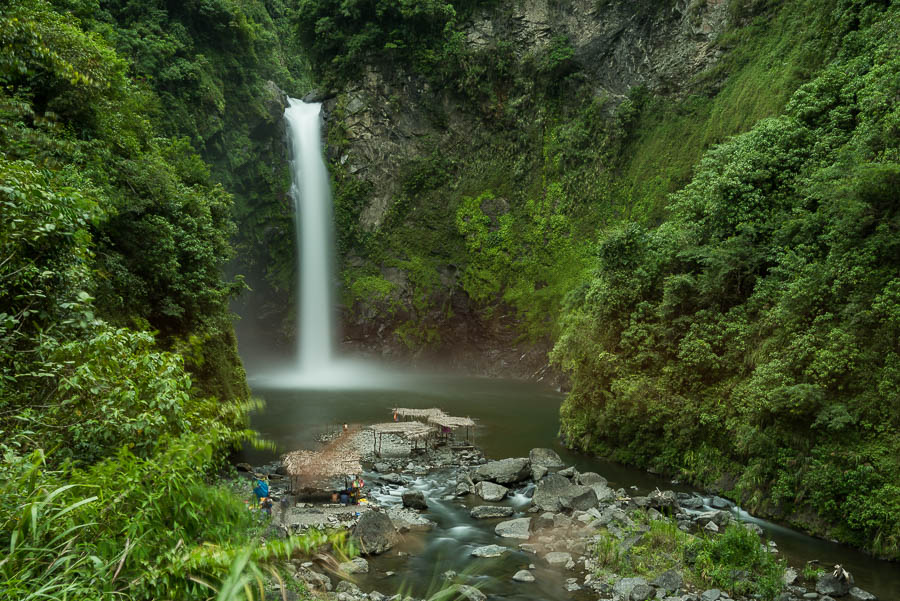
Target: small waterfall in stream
311	193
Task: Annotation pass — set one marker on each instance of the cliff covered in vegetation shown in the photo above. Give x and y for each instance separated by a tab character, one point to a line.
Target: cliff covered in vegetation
690	202
120	386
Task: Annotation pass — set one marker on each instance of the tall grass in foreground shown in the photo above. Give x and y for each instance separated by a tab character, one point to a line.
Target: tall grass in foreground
136	529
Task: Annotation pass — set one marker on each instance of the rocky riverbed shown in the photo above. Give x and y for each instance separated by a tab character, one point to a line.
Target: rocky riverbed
559	526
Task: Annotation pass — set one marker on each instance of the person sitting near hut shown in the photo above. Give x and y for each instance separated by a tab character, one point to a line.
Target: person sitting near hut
261	490
356	487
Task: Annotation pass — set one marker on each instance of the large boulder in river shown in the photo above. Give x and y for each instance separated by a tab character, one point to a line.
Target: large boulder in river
414	499
504	471
545	457
578	498
549	490
517	528
490	491
405	519
834	586
591	478
374	533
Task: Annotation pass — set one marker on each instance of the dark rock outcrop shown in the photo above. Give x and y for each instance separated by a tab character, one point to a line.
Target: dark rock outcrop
374	533
504	471
414	499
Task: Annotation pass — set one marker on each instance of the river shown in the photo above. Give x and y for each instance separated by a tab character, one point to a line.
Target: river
512	417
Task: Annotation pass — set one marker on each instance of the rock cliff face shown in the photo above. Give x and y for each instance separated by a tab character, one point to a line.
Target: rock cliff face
618	44
388	119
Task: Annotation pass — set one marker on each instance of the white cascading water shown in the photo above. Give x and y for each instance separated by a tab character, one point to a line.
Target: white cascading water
317	365
311	192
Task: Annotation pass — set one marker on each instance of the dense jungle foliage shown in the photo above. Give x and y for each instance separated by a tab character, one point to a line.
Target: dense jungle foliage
751	339
120	386
717	267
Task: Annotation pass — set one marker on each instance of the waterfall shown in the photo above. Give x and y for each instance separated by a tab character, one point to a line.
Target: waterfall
311	193
316	365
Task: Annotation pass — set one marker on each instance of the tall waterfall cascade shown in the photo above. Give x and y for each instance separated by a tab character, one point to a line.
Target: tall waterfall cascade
311	193
316	364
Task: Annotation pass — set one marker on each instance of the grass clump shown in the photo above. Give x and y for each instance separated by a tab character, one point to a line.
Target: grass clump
734	561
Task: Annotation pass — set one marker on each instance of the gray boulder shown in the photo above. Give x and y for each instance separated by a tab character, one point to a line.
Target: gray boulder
490	491
355	566
345	586
719	503
504	471
623	587
558	558
315	580
517	528
719	518
669	581
690	501
833	586
590	478
392	478
603	493
790	576
545	520
545	457
374	533
470	593
405	520
414	499
569	472
641	592
712	594
490	511
579	498
523	576
548	491
665	500
489	551
538	472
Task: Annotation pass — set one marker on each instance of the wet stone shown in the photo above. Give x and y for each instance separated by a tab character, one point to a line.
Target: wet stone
523	576
489	551
491	511
557	558
712	594
517	528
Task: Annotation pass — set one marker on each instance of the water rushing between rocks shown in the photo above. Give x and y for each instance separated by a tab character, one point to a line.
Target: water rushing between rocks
513	417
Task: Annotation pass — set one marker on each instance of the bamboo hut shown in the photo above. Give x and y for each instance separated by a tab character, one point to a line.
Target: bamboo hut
319	468
449	422
413	431
417	414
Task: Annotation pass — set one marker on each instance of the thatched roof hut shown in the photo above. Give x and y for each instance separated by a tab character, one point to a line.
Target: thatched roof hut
414	431
418	414
338	458
449	421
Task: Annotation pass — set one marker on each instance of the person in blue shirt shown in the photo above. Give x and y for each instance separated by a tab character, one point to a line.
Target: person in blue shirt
261	490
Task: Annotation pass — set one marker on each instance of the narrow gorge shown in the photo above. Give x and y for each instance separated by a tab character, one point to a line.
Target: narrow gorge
288	287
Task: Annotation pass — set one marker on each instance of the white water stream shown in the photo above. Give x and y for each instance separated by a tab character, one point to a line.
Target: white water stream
311	193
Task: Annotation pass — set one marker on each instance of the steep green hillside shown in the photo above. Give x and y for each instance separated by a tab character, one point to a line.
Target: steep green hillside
120	386
750	341
725	299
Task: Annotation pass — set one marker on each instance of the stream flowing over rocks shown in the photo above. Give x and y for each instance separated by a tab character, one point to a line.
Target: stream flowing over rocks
537	540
